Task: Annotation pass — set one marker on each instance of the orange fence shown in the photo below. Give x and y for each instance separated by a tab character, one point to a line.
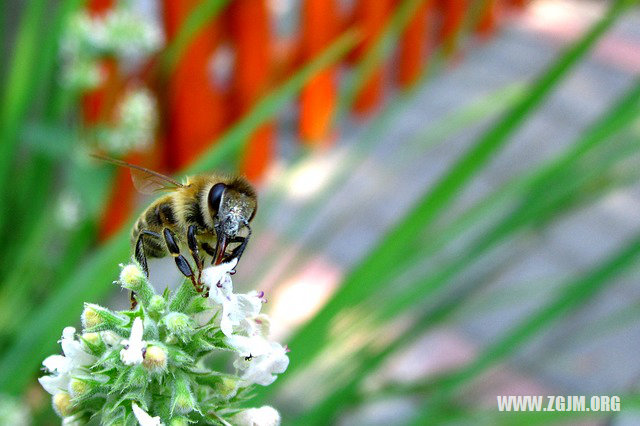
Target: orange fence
197	107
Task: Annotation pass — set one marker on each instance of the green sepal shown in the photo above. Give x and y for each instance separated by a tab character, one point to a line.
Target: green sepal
182	297
178	357
182	399
97	349
157	306
180	325
198	305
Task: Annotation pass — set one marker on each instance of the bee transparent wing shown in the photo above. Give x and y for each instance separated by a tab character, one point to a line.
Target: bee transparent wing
147	183
144	180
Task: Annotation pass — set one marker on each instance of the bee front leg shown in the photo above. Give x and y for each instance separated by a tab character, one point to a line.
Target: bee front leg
237	252
181	261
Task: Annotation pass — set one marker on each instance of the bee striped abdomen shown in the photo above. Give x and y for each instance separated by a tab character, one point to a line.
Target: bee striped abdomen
158	216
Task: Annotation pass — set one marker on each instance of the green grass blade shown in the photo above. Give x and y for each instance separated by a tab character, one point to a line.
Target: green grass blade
18	81
573	295
375	54
202	14
308	341
554	182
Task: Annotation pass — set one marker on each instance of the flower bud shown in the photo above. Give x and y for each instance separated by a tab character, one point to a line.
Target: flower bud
62	404
179	324
75	420
155	358
92	338
90	317
157	305
78	387
132	277
92	343
179	421
97	318
228	387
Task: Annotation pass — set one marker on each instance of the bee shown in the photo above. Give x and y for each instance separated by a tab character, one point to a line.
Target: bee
208	213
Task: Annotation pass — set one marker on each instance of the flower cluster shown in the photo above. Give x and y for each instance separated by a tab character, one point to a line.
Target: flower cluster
110	47
134	124
155	364
119	33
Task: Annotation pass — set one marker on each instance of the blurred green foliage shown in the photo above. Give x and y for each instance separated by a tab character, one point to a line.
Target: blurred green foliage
42	289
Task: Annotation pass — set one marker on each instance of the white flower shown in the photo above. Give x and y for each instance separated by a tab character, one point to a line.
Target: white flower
136	121
84	36
263	416
62	367
110	338
144	419
236	308
259	325
213	275
69	209
131	35
259	358
121	32
131	354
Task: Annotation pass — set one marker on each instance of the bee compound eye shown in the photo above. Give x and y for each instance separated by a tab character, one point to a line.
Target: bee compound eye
215	196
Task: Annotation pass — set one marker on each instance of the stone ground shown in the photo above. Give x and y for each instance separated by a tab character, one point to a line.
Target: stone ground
577	356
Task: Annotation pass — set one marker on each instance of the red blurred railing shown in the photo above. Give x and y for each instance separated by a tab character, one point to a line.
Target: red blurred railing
197	107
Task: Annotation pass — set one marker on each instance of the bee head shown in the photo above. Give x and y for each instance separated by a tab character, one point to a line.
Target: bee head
232	206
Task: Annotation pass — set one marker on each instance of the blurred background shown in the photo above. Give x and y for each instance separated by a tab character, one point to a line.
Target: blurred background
449	206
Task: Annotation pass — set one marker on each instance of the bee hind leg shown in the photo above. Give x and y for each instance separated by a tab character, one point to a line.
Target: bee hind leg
181	261
141	258
140	255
